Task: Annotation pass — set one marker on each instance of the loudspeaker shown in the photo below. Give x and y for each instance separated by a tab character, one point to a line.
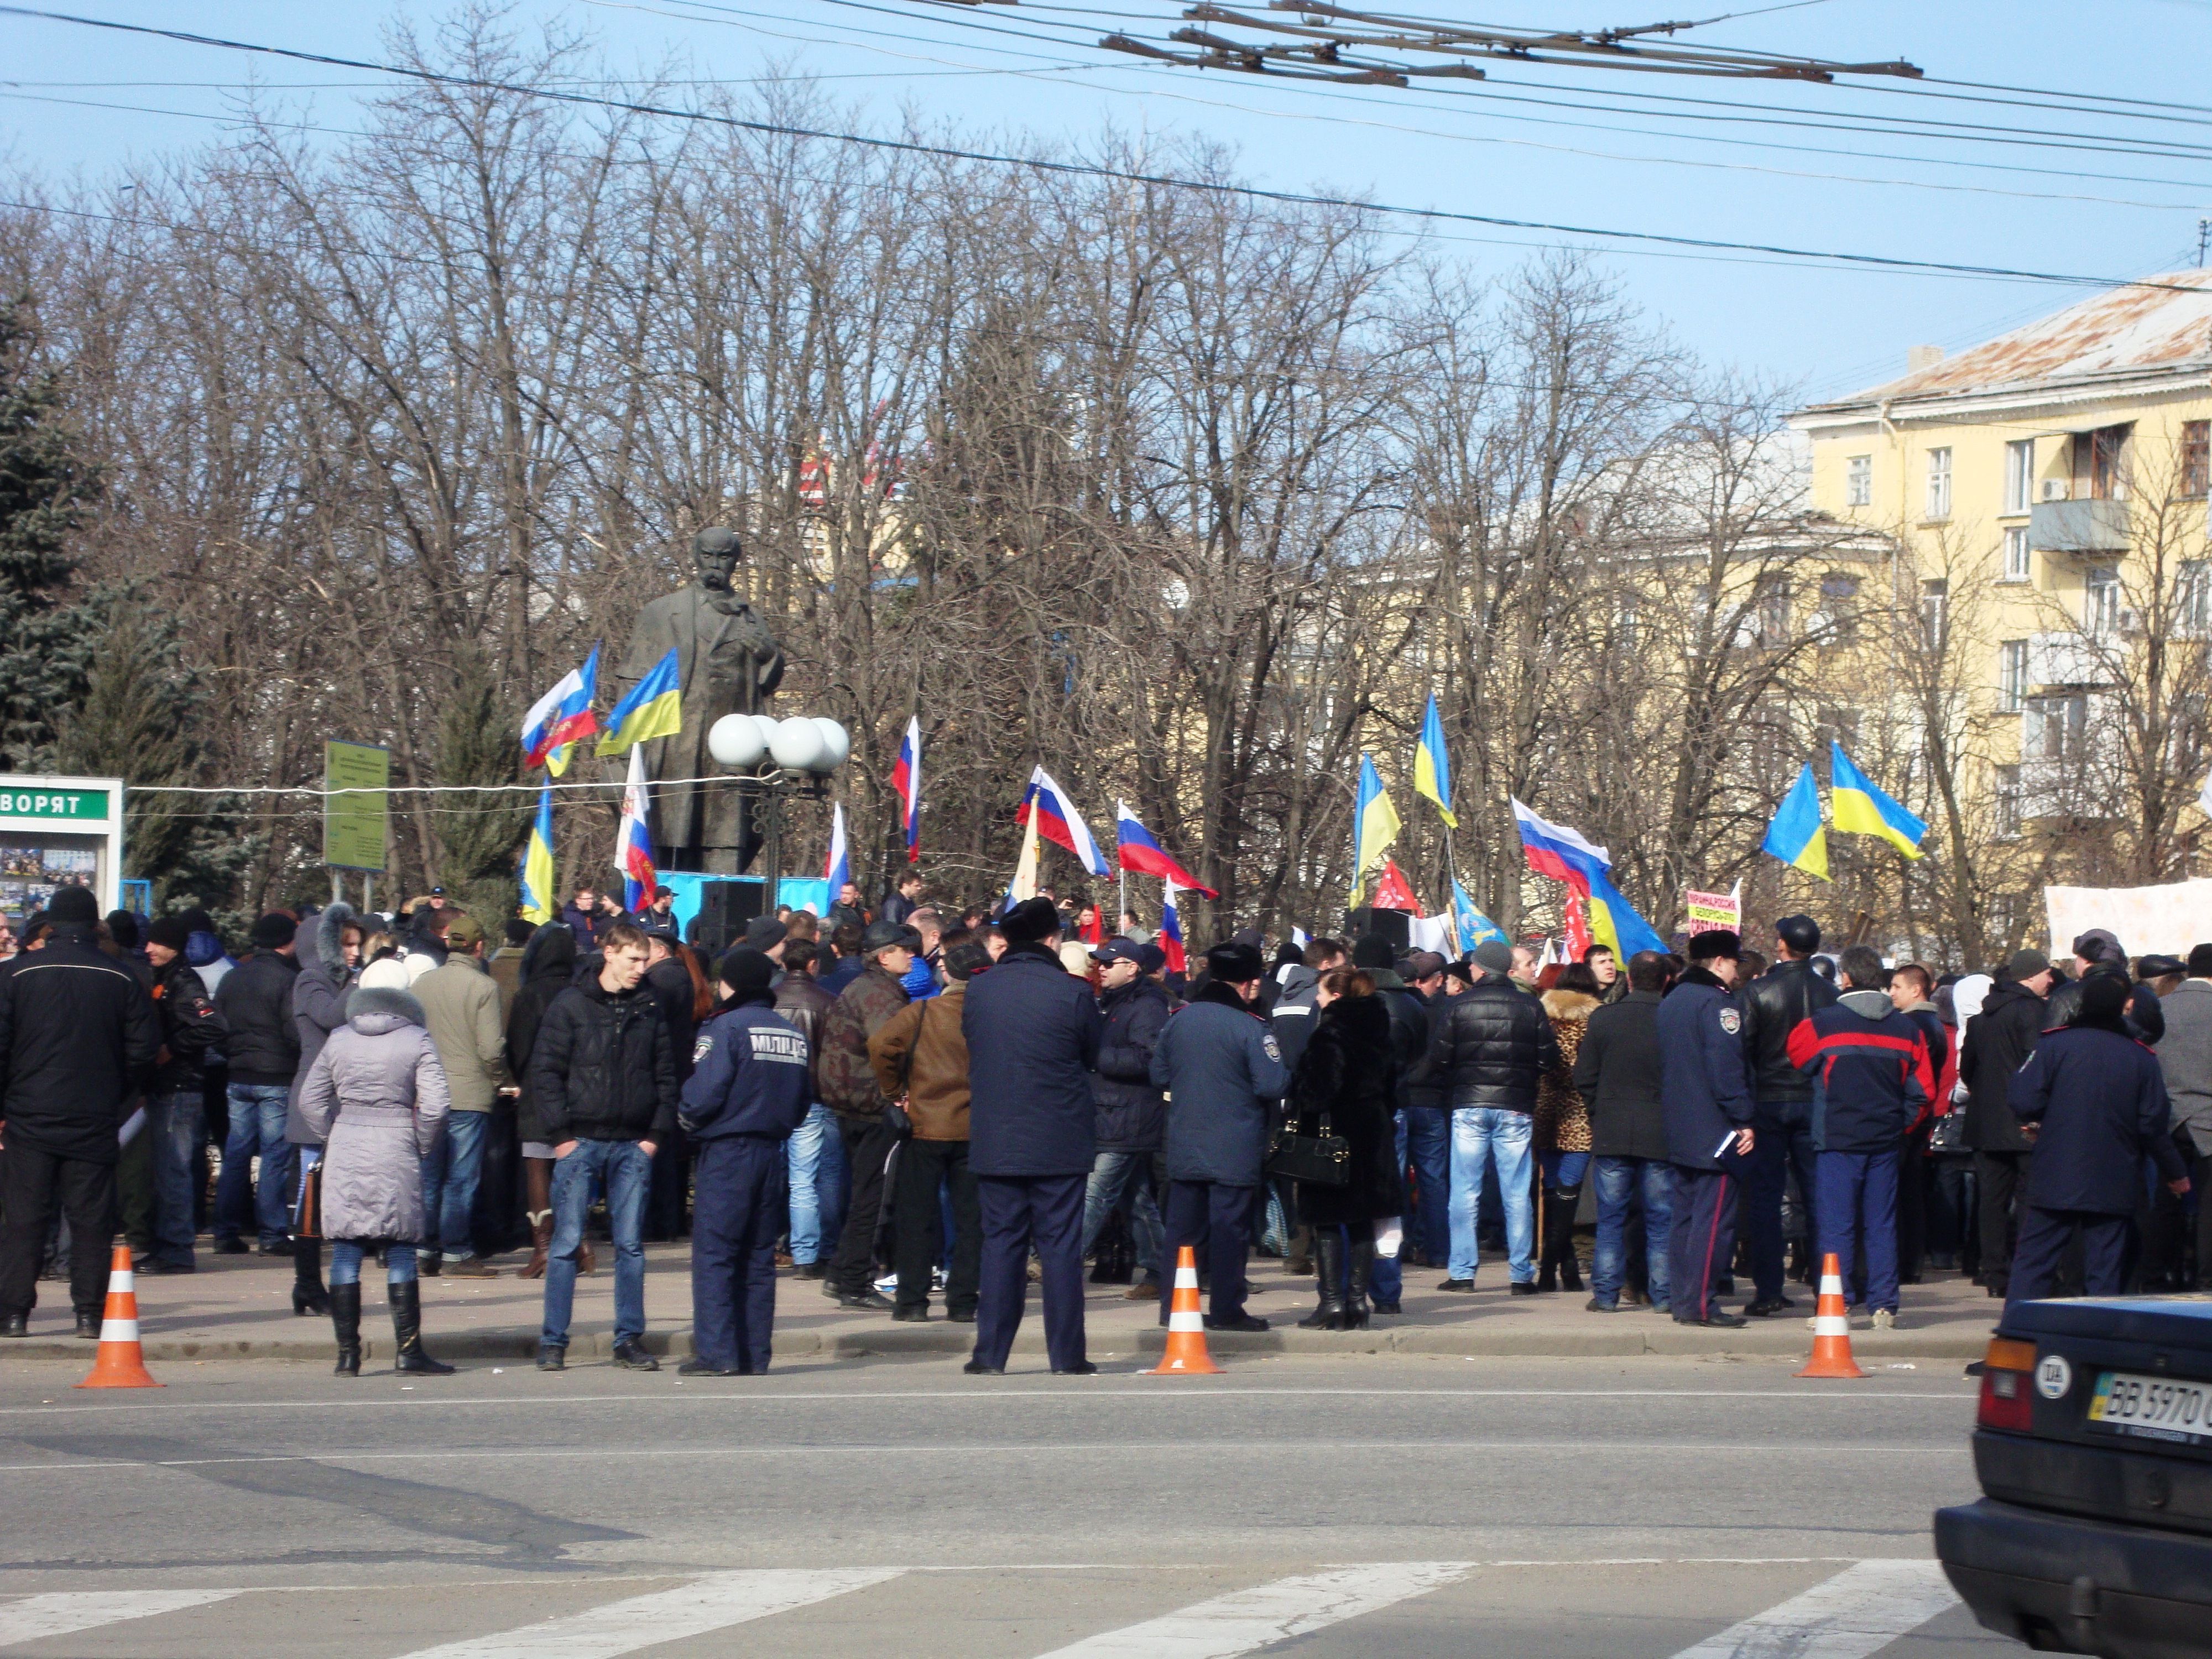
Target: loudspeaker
725	908
1396	926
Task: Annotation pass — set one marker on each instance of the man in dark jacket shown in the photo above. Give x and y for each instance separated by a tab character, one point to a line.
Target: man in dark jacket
255	1002
176	1108
1033	1031
1872	1077
1706	1098
1997	1044
2100	1108
847	1081
748	1090
816	1152
2097	952
1488	1050
78	1038
1131	1113
670	982
603	1082
1218	1062
1422	1125
1773	1005
1617	1072
903	900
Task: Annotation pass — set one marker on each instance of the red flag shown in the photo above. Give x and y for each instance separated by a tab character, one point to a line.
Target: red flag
1578	933
1394	892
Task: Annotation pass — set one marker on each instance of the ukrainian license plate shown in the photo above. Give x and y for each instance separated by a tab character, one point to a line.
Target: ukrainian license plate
2156	1407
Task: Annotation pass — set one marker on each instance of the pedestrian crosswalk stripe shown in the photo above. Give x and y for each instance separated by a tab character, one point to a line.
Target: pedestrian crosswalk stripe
66	1612
1244	1620
1860	1611
705	1604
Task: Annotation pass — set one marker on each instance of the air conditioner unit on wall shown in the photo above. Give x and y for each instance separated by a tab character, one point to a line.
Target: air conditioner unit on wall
2054	489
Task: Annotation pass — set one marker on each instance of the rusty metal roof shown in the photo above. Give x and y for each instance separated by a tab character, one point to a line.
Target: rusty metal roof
2123	330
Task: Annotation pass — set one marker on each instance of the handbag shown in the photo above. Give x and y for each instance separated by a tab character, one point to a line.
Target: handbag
1321	1160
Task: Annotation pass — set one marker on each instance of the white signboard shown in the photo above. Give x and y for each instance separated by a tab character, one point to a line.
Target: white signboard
2163	919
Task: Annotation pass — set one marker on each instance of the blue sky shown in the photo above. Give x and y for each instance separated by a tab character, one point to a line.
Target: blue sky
1603	160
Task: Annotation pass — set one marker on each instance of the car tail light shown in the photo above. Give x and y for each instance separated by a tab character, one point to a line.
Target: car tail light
2006	1401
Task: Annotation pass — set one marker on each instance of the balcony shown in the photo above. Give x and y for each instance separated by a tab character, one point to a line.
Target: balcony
2089	526
2070	659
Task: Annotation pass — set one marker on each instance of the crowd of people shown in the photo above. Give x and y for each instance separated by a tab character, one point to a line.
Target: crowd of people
912	1106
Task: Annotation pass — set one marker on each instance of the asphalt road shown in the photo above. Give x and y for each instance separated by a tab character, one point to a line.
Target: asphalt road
1379	1506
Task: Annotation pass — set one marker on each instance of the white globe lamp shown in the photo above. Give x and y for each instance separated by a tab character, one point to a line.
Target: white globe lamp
837	744
798	744
735	741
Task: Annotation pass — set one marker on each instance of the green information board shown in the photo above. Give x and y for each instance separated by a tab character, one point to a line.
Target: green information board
75	806
354	824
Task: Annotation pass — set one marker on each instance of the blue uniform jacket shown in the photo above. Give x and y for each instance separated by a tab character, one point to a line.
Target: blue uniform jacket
1870	1070
1032	1030
749	1075
1219	1062
2101	1100
1703	1094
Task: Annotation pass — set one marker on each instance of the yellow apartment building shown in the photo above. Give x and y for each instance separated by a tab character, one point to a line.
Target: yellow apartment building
2046	493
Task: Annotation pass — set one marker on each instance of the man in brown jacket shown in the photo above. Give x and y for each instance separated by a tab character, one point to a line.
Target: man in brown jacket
848	1086
921	1059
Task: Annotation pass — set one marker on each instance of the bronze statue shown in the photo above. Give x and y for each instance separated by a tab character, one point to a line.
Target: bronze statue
730	664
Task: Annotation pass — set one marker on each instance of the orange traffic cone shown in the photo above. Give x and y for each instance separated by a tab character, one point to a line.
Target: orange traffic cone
1832	1326
120	1363
1186	1354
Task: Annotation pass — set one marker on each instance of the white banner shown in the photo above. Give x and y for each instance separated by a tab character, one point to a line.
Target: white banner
2165	919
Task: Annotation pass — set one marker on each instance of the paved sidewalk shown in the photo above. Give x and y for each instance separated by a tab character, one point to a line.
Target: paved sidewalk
240	1307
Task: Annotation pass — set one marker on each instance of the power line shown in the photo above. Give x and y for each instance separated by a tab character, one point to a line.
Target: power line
907	146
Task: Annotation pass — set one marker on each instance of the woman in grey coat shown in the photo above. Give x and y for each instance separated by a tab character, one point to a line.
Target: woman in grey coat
376	1096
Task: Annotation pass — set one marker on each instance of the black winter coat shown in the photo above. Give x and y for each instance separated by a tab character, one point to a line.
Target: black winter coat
192	1030
548	964
1033	1030
1617	1072
1347	1083
1131	1114
670	985
2146	1020
603	1067
255	1002
1773	1005
2101	1100
1999	1040
1490	1045
78	1038
1412	1023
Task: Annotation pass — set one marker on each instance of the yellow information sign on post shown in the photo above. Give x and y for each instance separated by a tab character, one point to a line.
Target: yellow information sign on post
356	813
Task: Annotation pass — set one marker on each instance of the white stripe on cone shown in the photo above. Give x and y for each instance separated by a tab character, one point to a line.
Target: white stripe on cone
1186	1279
1831	1325
118	1330
1186	1322
1831	1285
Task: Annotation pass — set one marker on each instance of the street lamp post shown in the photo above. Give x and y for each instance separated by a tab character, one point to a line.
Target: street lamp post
773	760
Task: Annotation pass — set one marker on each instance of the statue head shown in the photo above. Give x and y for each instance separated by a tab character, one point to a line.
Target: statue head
715	555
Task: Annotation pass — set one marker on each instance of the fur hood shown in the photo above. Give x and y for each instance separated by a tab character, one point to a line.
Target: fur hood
1569	1005
325	947
373	1010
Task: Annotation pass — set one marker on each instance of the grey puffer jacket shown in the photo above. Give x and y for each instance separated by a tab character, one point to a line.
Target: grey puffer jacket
319	995
377	1097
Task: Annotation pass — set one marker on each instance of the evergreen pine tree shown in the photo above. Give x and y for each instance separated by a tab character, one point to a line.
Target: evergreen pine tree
480	834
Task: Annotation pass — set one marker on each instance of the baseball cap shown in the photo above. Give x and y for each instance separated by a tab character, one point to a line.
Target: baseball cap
1119	950
465	932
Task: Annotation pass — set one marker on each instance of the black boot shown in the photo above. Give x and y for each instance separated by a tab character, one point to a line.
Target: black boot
1547	1243
1357	1310
407	1328
1328	1269
308	1296
343	1302
1571	1271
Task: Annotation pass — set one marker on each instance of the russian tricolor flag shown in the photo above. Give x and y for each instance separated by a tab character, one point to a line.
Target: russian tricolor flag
906	783
1058	821
1171	940
562	717
1139	851
634	845
1556	851
837	869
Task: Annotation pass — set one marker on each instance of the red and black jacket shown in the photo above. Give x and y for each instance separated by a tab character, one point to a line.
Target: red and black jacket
1872	1075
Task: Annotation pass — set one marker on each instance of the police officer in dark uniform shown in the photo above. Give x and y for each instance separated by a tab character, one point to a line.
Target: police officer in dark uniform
749	1089
1773	1005
1706	1103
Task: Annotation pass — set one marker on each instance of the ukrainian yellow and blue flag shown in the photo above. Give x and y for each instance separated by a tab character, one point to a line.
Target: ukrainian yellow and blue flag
1860	809
539	903
1431	770
1374	824
654	709
1796	836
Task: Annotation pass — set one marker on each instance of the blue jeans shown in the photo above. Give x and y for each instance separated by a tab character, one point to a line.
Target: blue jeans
1480	1136
819	1183
1563	1169
1110	1178
629	1175
1424	1142
175	1126
450	1172
256	1126
1618	1180
1857	1199
346	1254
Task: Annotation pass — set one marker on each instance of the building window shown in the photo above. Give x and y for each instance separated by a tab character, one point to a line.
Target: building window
2195	459
1773	610
2099	463
1858	481
2101	603
1626	625
2019	475
2016	568
2192	599
2012	674
1935	611
1839	597
2009	812
1939	484
2054	727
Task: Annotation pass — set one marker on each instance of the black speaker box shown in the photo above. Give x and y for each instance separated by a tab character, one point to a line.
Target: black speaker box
725	908
1396	926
